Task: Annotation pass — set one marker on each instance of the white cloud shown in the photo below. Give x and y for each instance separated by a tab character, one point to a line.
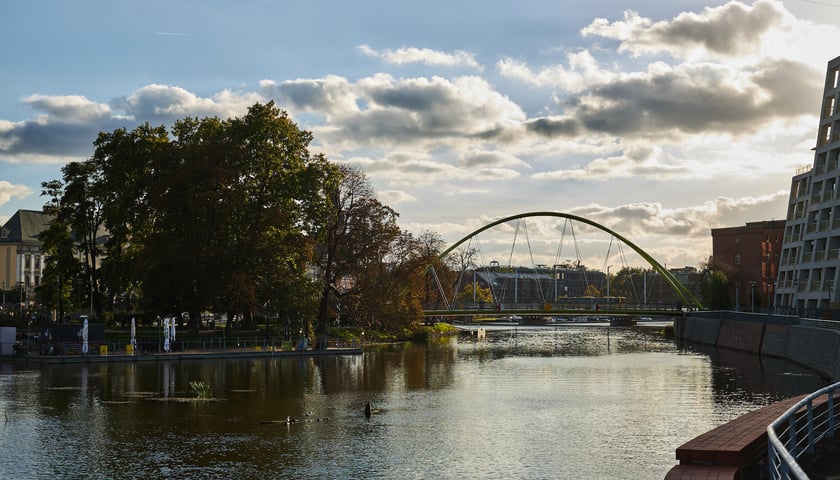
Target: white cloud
331	96
166	103
583	71
426	56
394	198
9	191
474	158
730	30
65	126
68	108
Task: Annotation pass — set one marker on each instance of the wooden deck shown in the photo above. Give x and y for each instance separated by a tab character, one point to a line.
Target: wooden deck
726	451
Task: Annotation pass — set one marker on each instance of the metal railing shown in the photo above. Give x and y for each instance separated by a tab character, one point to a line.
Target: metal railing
155	345
797	432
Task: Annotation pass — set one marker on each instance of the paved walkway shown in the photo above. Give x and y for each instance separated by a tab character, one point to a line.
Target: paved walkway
187	355
733	449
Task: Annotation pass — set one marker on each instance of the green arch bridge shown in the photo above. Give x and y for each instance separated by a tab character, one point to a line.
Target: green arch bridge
686	298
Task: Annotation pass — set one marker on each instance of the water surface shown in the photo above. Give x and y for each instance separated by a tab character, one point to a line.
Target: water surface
583	402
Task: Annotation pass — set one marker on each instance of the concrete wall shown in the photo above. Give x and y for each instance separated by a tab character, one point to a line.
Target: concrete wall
744	336
701	330
816	348
775	340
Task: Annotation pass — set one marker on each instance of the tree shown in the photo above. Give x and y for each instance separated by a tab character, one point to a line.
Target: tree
61	266
463	259
438	277
591	291
126	160
628	283
241	199
714	290
77	203
354	242
221	216
477	294
388	294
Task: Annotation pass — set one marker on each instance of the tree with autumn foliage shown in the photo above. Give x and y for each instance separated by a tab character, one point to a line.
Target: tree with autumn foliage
372	273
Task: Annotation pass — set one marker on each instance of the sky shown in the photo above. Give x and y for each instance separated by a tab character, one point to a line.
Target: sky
659	120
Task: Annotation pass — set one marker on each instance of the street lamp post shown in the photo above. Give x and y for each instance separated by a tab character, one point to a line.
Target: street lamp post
752	297
608	285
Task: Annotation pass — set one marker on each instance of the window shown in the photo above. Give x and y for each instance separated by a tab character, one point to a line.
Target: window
737	259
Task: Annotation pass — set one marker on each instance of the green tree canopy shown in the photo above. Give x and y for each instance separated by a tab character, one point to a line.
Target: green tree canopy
715	290
232	216
222	215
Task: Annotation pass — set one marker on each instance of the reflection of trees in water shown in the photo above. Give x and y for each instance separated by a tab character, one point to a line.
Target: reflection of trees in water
563	341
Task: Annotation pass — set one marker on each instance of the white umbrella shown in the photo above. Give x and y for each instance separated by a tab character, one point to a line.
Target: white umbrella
166	334
133	337
85	337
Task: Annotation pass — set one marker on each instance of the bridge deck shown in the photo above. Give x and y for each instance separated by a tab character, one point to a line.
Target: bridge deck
722	452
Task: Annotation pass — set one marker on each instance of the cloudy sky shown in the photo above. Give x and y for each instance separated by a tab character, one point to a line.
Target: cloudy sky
658	119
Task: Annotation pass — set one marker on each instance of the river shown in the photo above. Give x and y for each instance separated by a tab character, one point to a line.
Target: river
577	402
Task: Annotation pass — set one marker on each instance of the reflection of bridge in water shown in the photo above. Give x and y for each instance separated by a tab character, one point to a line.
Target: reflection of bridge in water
467	284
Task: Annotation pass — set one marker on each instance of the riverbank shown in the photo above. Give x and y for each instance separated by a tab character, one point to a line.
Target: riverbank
179	356
812	346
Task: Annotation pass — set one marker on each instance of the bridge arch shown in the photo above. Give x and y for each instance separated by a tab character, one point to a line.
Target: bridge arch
685	295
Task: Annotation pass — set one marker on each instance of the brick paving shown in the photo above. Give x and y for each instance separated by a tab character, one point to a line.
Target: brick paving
726	451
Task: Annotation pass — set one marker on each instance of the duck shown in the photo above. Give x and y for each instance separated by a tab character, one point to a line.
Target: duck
370	411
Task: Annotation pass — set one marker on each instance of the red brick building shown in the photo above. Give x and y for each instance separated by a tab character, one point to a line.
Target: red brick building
749	256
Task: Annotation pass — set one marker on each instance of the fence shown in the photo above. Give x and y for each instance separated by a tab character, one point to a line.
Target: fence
153	345
798	431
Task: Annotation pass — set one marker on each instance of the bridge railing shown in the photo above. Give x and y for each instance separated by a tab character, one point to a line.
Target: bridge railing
798	431
593	307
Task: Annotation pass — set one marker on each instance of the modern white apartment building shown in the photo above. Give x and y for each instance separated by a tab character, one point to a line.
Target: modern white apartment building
809	266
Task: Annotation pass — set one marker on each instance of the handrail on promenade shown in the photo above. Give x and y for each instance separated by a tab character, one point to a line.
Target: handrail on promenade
795	433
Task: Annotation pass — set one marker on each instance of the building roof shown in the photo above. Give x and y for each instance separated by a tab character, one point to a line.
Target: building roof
750	227
25	226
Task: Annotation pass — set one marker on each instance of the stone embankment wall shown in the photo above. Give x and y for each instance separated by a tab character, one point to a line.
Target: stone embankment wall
813	347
